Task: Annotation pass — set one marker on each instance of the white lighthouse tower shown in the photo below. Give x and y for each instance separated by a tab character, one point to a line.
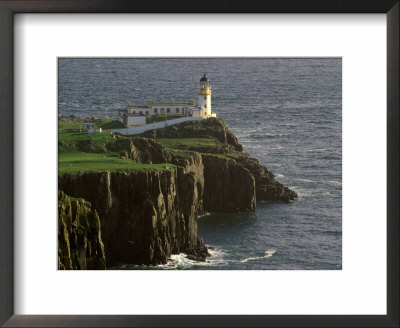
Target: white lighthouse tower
205	96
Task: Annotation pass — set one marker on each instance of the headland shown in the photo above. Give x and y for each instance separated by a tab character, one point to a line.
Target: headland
135	199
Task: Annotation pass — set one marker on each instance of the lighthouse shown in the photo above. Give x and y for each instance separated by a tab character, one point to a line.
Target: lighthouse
205	96
138	115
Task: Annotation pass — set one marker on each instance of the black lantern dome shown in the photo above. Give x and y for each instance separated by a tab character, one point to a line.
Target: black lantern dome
204	78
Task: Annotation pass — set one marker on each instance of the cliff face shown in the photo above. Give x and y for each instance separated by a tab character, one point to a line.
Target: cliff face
79	235
229	187
146	216
267	188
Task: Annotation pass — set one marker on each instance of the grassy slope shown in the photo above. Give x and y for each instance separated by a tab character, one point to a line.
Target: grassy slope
72	160
68	141
104	123
186	143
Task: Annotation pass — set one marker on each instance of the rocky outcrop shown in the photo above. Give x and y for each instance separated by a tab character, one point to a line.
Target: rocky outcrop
79	235
229	187
266	186
210	128
141	150
145	216
90	146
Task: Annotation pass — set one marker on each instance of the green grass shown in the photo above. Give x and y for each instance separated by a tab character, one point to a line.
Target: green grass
65	127
69	141
183	153
226	156
74	162
81	151
109	123
104	123
187	143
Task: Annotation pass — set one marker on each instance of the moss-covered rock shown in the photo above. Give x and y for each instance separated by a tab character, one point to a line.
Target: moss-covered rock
212	127
79	235
91	146
140	150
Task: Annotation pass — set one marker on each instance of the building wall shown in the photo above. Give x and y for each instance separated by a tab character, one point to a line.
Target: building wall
163	109
160	110
158	125
135	120
197	113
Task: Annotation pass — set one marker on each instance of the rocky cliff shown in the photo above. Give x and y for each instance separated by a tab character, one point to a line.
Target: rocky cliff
210	128
267	188
79	235
229	187
147	215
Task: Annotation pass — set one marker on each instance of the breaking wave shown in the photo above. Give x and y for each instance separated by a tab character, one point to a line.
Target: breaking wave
267	254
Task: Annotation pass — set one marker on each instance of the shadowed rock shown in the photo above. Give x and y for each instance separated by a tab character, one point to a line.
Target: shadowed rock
79	235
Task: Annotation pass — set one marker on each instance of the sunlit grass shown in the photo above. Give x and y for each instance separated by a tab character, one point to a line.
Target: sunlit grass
187	143
74	162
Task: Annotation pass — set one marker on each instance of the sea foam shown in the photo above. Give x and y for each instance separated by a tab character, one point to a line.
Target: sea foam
267	254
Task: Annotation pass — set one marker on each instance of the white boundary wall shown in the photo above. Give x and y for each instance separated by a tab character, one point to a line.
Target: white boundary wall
158	125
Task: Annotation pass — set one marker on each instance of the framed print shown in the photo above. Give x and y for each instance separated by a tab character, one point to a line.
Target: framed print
228	165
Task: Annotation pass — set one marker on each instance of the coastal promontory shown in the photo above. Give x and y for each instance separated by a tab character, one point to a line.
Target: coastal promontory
136	199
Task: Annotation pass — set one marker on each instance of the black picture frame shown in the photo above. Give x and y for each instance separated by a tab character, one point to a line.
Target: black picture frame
10	7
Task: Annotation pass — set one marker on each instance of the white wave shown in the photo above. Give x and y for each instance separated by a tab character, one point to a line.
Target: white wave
217	256
335	182
305	180
278	175
275	148
267	254
301	191
316	149
180	261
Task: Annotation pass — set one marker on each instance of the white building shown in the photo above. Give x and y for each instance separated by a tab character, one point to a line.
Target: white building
133	119
136	115
86	126
90	127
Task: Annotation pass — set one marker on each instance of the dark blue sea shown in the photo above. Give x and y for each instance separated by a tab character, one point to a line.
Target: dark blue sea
285	112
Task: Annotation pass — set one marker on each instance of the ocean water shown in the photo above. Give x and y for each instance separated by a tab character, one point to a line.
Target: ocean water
285	112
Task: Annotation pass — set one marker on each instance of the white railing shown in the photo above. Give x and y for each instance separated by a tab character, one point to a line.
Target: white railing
158	125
